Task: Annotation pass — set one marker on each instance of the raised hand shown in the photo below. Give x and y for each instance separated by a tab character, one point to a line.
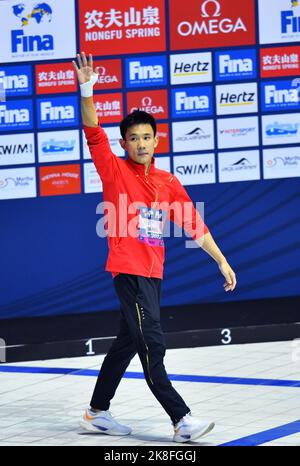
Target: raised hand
84	67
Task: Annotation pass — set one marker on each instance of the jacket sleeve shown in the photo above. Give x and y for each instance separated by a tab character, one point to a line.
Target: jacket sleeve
104	159
184	214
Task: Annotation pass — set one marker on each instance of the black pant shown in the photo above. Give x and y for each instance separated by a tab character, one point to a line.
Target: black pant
140	332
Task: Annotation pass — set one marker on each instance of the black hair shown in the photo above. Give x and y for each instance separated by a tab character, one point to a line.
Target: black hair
137	117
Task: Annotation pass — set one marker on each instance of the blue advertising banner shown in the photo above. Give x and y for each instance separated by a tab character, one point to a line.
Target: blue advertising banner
54	112
16	115
192	101
16	80
146	71
280	95
233	65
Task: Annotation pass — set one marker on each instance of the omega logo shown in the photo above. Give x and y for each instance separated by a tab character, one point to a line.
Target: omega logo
146	101
102	70
217	10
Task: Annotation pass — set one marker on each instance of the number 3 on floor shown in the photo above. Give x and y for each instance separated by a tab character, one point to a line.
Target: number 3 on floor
226	334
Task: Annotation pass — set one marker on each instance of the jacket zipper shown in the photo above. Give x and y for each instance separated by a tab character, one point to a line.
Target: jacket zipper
153	207
156	199
147	349
147	181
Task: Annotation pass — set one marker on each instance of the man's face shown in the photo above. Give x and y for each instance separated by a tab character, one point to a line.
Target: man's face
140	143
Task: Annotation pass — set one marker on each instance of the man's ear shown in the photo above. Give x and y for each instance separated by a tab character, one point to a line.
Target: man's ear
122	143
156	141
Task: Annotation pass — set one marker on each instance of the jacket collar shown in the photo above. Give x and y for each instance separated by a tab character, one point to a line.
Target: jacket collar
140	168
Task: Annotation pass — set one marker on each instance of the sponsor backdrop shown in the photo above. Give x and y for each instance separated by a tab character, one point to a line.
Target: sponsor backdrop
223	80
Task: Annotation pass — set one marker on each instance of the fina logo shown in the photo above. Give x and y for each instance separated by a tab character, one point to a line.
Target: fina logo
12	116
208	25
52	113
289	22
232	66
12	82
147	72
280	96
41	14
196	102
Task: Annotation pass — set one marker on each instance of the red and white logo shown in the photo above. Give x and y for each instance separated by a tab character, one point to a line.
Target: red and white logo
54	78
280	61
209	23
109	107
57	180
107	28
110	74
164	138
154	102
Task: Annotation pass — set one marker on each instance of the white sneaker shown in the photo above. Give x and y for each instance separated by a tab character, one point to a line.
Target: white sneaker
102	422
189	428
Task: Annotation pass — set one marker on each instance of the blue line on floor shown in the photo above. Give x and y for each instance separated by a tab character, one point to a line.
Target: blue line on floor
250	440
265	436
140	375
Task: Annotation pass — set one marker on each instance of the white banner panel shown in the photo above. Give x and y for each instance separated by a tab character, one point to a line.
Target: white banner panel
281	163
190	68
237	132
37	31
279	21
236	98
193	135
282	128
195	169
163	163
17	149
92	181
56	146
17	183
239	166
114	136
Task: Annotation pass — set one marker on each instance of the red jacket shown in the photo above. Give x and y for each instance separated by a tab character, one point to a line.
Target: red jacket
141	253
